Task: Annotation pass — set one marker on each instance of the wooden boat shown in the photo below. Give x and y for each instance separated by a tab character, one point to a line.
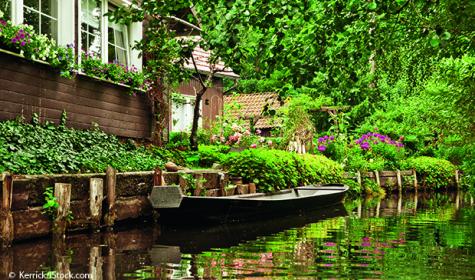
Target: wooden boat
176	208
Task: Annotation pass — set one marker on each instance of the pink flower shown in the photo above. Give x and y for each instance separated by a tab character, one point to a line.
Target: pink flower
253	146
269	143
258	131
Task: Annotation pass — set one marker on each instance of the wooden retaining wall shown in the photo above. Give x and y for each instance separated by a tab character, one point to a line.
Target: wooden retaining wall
94	200
28	87
394	180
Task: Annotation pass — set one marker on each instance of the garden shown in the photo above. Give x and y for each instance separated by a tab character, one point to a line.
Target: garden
405	103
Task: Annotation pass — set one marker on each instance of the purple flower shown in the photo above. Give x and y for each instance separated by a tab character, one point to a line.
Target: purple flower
23	43
329	244
320	140
364	146
322	148
332	138
3	22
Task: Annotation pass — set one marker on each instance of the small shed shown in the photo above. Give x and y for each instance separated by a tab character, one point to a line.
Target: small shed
257	109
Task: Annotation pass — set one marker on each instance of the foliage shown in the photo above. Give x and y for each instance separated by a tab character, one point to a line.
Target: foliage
180	140
46	148
51	205
272	170
352	51
431	172
300	115
210	154
113	72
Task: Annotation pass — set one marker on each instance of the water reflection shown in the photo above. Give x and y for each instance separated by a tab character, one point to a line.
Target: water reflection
412	237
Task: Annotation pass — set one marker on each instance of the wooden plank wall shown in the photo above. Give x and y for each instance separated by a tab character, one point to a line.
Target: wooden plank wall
212	104
27	87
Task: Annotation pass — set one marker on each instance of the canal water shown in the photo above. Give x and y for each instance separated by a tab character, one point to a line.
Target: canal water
430	236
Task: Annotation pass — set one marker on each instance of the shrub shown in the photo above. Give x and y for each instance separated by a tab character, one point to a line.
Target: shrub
431	172
46	148
273	169
209	154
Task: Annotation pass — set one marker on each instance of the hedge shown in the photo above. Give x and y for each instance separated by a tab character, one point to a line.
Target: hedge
274	169
431	172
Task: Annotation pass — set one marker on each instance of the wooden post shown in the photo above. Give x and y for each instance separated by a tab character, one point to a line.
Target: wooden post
158	179
399	181
95	263
359	209
6	218
62	193
96	196
399	203
111	179
252	188
221	184
6	263
457	178
415	179
358	177
378	180
198	184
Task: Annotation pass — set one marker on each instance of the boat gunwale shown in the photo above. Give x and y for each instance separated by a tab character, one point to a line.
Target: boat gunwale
338	188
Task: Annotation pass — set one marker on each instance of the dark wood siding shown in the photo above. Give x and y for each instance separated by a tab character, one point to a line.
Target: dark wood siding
27	87
212	104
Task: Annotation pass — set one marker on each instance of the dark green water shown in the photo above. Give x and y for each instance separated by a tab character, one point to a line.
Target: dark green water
431	237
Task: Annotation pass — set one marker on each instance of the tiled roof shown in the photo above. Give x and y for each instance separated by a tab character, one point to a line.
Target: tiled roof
252	105
202	62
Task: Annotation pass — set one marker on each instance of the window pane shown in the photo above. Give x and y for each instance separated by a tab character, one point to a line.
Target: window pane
95	45
32	18
5	9
111	35
121	56
35	4
119	39
49	27
111	54
49	7
91	27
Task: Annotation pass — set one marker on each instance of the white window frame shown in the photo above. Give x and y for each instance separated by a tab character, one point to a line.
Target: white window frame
104	31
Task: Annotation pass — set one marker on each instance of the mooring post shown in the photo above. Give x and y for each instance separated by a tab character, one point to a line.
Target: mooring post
358	177
6	218
62	193
415	179
111	179
378	180
399	181
95	263
252	188
158	179
198	184
96	196
221	184
457	178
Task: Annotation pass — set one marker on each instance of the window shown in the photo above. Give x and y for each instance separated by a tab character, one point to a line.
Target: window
91	17
5	9
42	15
117	43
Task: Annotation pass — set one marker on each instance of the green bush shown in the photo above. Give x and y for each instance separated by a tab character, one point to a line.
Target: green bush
431	172
209	154
274	169
46	148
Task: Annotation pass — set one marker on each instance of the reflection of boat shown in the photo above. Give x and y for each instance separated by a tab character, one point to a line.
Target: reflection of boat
197	239
174	207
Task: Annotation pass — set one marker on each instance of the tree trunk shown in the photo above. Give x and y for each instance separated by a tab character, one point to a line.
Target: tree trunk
196	117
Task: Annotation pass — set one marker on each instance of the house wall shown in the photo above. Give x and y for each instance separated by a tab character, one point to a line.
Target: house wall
28	87
212	103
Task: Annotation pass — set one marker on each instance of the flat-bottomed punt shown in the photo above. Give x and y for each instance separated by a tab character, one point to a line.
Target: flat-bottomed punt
176	208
